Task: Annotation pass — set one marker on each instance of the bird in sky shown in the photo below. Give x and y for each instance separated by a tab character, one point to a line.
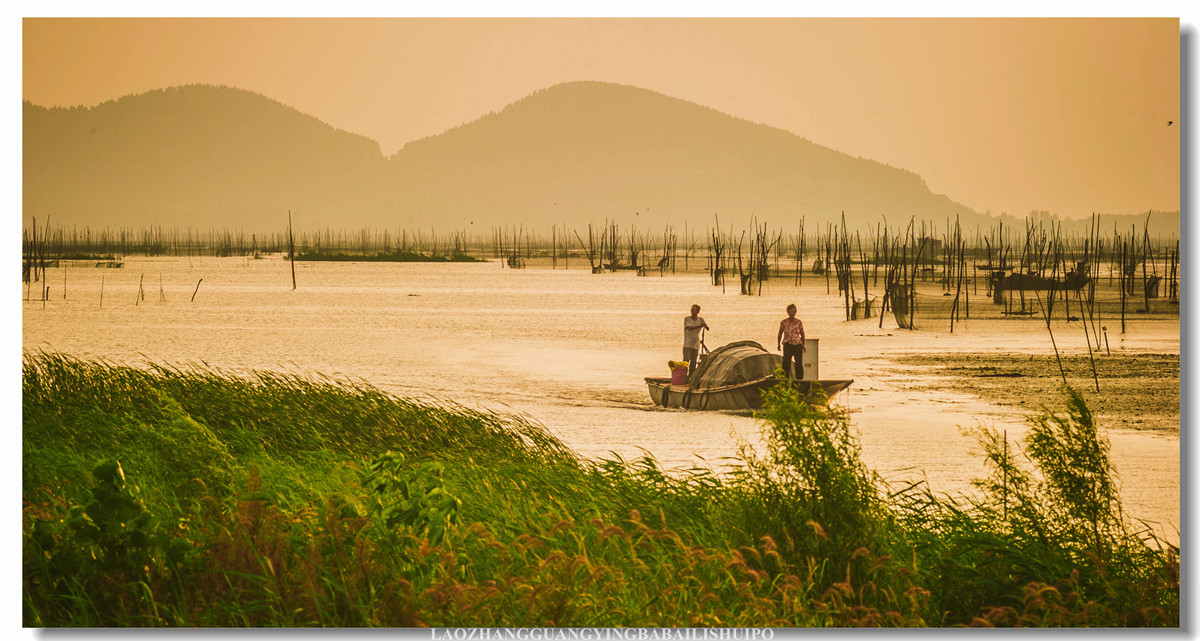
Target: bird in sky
1169	122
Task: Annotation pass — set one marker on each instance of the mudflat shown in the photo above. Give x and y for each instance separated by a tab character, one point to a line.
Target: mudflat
1136	390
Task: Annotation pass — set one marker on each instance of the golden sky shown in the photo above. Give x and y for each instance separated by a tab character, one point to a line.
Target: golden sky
1001	115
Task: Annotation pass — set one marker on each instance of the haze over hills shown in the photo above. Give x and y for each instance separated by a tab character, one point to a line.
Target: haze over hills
601	150
196	155
574	153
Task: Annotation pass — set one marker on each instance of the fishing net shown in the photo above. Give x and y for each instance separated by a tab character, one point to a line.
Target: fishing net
734	363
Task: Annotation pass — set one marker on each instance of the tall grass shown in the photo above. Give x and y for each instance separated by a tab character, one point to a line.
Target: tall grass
188	497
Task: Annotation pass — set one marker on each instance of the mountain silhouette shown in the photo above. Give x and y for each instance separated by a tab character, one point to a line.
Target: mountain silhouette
579	152
601	150
195	155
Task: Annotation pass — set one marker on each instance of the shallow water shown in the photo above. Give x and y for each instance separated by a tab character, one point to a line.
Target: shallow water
570	349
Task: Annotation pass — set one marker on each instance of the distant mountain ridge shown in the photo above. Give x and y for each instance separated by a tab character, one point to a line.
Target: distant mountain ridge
574	153
195	155
601	150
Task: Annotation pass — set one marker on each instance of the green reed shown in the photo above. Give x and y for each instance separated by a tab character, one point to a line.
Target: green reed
279	500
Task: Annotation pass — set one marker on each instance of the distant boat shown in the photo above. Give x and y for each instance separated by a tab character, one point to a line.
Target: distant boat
733	377
1029	282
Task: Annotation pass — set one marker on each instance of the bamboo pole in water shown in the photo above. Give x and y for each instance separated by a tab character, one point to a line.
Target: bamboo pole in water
1052	341
1086	337
828	243
291	253
844	250
912	288
1146	259
866	275
1124	275
799	241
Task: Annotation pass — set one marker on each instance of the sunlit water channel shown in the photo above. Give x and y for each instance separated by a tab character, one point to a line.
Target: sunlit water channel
568	349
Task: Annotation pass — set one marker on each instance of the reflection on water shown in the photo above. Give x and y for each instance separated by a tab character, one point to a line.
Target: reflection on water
569	349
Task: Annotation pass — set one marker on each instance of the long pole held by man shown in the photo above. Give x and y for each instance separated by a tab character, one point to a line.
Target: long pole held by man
693	325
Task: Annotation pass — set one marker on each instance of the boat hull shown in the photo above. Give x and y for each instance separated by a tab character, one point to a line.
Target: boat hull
1030	282
742	397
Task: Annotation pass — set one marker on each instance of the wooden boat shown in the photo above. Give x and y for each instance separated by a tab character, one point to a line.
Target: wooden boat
733	377
1017	281
741	396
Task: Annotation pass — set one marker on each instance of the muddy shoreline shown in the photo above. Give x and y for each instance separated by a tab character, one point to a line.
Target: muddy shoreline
1136	390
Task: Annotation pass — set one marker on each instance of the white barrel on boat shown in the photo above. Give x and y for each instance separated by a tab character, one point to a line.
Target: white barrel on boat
810	359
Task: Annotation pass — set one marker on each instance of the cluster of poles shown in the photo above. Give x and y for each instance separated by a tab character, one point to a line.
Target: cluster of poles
87	243
1032	271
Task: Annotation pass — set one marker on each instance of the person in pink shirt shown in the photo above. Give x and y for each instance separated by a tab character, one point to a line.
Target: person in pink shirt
791	341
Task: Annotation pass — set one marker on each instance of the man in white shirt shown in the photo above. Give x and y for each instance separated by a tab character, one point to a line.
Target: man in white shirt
691	337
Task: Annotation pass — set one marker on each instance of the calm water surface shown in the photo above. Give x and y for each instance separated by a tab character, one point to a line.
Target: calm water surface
569	349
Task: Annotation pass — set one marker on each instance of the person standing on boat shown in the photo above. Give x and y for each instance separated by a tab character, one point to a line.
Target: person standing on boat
691	337
791	341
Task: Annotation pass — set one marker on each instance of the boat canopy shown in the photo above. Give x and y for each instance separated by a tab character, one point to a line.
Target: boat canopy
733	364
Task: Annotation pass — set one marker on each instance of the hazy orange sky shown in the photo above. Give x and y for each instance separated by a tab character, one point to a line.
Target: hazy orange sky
1001	115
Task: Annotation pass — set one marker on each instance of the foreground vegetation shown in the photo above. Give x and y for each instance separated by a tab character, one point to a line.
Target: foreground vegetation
185	497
